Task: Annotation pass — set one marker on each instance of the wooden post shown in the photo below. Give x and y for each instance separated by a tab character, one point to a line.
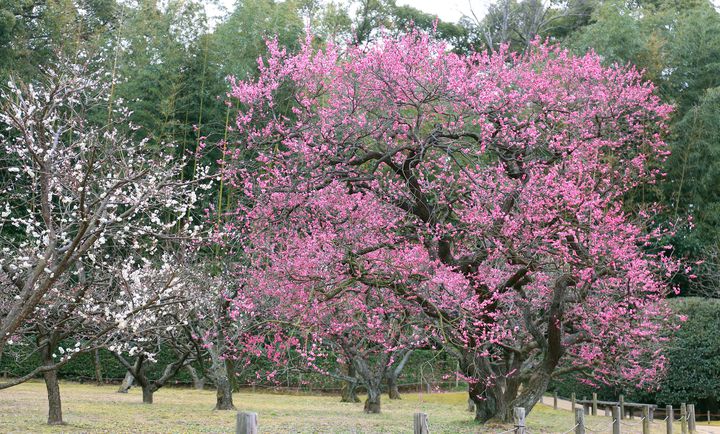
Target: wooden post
420	424
579	421
652	413
708	417
519	416
670	418
691	418
683	419
247	423
572	401
594	404
616	419
555	400
622	407
646	419
607	411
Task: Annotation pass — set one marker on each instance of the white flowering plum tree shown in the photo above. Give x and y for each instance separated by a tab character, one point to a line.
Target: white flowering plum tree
83	205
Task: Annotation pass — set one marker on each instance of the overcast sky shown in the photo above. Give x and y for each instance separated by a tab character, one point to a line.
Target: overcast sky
449	10
446	10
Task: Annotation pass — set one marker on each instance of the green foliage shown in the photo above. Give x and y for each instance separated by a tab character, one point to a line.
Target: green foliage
19	360
677	44
693	354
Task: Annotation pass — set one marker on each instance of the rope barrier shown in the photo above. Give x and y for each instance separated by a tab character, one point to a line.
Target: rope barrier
602	428
571	429
504	432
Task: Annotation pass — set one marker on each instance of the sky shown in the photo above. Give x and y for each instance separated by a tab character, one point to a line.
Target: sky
449	10
446	10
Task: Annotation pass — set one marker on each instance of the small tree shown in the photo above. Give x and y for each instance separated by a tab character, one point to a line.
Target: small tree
485	191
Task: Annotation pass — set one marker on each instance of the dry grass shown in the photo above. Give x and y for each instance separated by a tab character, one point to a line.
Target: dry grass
88	408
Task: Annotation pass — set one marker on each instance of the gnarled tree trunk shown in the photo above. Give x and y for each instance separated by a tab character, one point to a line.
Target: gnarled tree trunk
349	388
372	403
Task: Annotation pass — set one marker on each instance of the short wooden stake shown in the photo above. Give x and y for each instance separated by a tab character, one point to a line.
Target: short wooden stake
683	419
420	424
622	407
607	411
579	421
572	401
646	419
670	418
691	418
555	400
708	417
594	404
616	419
519	416
247	423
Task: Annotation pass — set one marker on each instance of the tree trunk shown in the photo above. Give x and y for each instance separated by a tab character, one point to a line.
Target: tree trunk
147	394
53	390
198	380
372	403
394	373
98	367
489	403
349	392
223	400
497	401
223	386
126	383
349	388
392	384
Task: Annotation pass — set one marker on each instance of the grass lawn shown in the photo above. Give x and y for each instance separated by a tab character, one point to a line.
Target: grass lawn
88	408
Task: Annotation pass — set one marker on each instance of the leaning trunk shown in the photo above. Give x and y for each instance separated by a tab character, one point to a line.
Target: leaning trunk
198	380
372	403
53	390
147	394
126	383
349	388
392	383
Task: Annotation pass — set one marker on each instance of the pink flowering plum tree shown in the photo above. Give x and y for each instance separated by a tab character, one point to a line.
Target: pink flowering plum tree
333	320
479	198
